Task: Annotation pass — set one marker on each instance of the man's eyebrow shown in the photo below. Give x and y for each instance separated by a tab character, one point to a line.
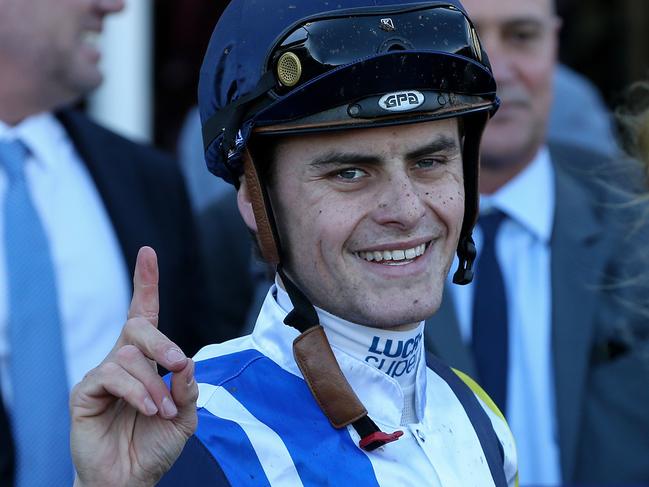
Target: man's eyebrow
517	22
525	22
335	158
441	144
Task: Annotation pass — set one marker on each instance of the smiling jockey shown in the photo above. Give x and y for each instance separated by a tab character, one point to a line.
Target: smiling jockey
351	130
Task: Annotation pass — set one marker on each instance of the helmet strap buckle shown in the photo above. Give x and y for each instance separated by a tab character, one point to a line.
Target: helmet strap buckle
466	253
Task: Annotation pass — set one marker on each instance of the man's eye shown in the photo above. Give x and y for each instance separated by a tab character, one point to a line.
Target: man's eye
524	36
429	163
351	174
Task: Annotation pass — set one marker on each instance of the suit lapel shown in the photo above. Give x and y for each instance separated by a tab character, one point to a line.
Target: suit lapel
443	338
577	259
114	178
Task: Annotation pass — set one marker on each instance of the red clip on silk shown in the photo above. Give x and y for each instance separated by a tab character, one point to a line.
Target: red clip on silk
377	439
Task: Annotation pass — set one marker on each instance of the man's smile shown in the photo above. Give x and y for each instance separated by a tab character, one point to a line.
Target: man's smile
395	256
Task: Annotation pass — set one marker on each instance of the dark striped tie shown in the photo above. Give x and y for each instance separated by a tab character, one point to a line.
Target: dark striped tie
490	342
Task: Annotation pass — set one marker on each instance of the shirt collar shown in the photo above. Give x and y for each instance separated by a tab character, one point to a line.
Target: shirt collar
41	133
380	394
396	353
529	197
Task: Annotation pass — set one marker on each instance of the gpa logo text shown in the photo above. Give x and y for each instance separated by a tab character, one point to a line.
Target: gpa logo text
401	101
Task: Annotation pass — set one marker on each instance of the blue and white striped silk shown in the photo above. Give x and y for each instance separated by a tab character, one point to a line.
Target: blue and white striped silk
259	424
39	411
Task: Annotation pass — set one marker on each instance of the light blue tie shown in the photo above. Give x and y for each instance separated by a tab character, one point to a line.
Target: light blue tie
39	411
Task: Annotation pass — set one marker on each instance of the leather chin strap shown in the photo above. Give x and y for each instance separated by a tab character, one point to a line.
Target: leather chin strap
311	349
266	234
322	373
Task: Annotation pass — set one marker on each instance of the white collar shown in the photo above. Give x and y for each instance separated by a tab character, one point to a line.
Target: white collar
41	133
529	197
375	346
380	394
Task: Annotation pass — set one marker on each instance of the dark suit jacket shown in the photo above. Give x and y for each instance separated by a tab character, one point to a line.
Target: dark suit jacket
599	332
144	195
238	279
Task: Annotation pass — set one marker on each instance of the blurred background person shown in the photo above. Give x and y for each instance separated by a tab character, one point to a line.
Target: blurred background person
578	114
203	190
541	327
76	204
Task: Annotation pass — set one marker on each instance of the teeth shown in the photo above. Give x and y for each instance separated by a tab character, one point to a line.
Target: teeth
393	255
398	255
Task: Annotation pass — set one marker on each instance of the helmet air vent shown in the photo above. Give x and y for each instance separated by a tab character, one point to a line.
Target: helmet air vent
289	69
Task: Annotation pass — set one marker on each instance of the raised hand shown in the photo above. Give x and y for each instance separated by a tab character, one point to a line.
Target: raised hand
127	428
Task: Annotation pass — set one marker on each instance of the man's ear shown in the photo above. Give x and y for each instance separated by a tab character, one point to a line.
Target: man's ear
245	205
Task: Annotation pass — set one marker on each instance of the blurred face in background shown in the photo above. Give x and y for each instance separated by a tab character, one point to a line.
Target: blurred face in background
520	37
48	46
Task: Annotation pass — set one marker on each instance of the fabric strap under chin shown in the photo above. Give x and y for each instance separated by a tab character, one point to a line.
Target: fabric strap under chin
322	373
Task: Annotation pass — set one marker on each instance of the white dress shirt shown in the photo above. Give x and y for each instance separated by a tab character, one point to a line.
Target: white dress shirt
91	276
523	252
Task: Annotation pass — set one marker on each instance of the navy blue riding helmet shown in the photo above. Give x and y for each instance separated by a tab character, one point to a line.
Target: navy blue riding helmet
291	66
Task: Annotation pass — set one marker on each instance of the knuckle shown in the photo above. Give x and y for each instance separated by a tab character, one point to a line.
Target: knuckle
136	392
162	344
134	327
128	354
90	374
108	369
150	315
160	347
75	390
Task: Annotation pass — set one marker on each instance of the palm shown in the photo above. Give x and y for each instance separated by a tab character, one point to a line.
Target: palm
127	447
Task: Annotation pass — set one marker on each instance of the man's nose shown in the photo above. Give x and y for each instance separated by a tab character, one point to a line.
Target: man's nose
400	205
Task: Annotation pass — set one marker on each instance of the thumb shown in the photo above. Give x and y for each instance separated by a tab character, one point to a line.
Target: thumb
184	391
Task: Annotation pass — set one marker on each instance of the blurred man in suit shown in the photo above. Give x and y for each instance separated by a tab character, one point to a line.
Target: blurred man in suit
77	202
542	326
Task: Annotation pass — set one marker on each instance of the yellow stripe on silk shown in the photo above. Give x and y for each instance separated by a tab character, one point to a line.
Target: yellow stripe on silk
479	391
484	397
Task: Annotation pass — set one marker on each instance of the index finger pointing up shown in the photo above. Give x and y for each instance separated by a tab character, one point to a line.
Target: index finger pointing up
145	302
